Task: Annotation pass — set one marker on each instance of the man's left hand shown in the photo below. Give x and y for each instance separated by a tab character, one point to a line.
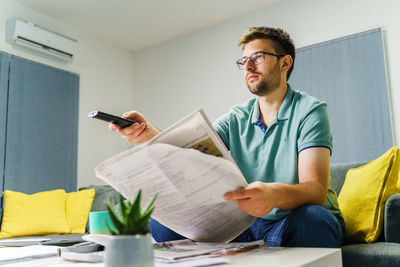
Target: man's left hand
257	199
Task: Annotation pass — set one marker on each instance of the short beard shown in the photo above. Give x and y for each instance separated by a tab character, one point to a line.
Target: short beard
267	86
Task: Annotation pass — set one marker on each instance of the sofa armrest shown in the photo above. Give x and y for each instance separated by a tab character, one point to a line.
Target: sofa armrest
392	219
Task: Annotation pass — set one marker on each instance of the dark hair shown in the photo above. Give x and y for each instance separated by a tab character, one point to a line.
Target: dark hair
281	41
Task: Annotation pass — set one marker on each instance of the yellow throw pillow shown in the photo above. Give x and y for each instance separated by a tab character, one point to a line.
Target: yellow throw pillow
364	193
42	213
77	209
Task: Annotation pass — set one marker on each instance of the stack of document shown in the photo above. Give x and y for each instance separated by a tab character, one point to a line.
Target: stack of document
20	242
16	254
55	240
180	249
188	252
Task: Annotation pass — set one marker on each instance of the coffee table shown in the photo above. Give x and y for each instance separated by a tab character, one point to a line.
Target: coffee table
287	257
310	257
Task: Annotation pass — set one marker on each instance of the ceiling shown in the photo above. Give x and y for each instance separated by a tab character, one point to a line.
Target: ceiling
135	24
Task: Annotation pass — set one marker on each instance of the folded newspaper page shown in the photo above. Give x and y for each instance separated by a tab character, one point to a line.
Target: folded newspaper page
190	168
179	249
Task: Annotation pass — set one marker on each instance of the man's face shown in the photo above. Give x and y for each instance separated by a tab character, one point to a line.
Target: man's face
263	78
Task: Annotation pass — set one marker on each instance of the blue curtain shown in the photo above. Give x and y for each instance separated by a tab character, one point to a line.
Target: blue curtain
350	75
42	126
4	63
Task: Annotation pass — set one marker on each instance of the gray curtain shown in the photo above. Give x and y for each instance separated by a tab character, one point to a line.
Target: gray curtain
350	75
42	127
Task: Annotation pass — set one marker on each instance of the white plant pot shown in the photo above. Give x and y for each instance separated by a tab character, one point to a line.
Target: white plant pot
129	251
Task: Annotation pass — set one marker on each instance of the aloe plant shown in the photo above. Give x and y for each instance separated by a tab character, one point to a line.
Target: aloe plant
130	219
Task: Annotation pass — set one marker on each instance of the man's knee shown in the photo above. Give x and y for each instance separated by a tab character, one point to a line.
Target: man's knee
313	215
313	226
161	233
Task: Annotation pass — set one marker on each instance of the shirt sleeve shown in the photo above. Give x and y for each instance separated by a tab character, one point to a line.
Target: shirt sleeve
221	126
314	130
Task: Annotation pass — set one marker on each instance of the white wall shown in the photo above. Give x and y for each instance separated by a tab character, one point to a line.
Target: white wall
105	83
198	70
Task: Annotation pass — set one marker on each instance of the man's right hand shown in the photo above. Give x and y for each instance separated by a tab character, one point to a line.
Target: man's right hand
139	132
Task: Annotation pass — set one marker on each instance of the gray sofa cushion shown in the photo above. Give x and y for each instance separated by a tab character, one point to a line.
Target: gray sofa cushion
103	192
374	255
338	173
392	219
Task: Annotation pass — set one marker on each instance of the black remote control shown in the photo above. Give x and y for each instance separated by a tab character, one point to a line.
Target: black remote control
122	122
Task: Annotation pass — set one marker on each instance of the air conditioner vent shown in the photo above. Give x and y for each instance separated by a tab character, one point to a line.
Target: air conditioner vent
24	34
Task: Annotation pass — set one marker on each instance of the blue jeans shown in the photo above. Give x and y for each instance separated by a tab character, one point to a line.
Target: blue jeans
306	226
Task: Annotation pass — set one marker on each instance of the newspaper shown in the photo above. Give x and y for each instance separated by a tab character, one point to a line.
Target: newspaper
179	249
190	184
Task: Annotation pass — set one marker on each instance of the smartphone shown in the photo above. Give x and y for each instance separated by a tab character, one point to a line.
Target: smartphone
121	122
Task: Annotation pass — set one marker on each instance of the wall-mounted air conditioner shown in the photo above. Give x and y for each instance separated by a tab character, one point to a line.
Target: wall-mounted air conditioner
28	35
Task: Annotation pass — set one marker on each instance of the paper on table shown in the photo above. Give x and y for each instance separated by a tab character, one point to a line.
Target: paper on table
194	262
180	249
9	255
190	184
19	242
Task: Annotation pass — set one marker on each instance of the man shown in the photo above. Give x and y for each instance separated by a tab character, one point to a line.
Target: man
281	141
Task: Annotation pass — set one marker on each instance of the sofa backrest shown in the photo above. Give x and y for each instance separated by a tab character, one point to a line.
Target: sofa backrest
338	173
103	192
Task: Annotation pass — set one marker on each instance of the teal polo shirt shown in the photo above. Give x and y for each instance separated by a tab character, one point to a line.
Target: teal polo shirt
271	154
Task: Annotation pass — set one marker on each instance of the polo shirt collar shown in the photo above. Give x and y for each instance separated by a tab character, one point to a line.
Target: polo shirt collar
256	112
284	111
286	107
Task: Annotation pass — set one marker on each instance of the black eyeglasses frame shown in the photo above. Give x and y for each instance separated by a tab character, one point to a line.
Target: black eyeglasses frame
241	64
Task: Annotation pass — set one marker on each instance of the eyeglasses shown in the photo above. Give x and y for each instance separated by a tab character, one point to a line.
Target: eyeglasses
256	58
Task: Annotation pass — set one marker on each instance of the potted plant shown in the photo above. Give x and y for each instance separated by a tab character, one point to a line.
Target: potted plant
131	245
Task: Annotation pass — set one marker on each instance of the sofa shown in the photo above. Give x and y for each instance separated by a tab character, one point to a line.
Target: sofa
385	252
